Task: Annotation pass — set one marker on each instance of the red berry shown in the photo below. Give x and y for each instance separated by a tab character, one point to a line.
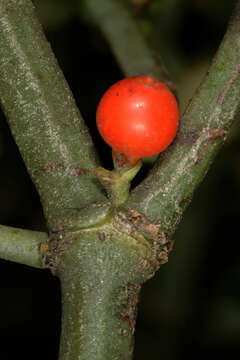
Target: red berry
138	116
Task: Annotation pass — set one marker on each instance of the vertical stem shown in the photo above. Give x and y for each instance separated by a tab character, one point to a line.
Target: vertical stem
100	284
95	319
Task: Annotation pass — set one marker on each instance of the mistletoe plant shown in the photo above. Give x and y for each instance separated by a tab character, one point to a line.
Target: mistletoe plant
104	241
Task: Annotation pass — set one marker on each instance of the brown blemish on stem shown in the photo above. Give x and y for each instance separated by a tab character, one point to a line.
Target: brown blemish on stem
129	315
187	137
130	324
212	135
234	77
137	224
143	225
50	167
120	161
43	248
55	248
185	201
102	236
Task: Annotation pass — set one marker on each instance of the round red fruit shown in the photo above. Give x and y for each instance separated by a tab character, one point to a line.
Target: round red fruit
138	116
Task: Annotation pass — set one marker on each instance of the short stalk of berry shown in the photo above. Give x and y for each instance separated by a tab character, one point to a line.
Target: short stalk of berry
118	181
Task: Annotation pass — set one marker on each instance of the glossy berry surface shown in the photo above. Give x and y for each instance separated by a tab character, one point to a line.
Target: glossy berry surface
138	116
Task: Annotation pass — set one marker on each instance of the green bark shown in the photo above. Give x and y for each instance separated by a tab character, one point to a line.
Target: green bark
21	246
100	286
101	271
43	116
165	193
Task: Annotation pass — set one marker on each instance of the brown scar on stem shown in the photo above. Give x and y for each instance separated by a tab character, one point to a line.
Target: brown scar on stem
101	236
141	223
136	223
50	167
212	135
129	316
188	137
43	248
163	256
161	245
128	321
119	159
186	200
224	93
99	204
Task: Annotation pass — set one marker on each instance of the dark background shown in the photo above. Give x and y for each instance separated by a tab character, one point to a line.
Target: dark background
191	308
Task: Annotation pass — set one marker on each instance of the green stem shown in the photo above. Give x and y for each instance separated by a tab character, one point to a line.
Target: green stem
21	246
43	116
165	193
118	182
91	318
126	41
100	277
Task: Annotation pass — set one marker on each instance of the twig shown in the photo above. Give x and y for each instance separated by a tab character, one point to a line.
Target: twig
21	246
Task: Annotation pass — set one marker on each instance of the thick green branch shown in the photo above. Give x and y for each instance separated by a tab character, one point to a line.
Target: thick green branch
126	41
164	195
101	269
101	273
21	246
43	117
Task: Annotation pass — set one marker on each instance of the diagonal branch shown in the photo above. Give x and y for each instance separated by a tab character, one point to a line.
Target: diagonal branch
126	41
42	114
165	193
21	246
